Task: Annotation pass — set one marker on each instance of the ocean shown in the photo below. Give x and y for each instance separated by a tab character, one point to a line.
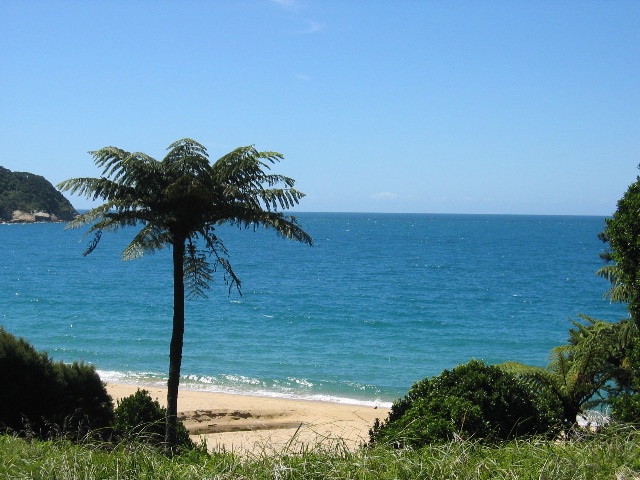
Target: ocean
379	302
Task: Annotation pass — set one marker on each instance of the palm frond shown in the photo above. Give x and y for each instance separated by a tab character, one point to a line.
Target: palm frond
216	248
561	366
93	243
628	333
609	272
88	217
619	291
286	226
284	199
149	239
85	187
245	166
186	196
124	167
537	377
198	273
185	148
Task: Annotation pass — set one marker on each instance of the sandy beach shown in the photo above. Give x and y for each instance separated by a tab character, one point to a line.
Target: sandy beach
248	424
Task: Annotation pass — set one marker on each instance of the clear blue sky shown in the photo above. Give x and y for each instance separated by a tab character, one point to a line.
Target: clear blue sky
528	107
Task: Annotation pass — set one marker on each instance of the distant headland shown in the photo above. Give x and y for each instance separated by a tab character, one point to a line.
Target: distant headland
28	198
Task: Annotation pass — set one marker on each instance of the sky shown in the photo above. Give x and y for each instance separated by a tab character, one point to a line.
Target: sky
497	107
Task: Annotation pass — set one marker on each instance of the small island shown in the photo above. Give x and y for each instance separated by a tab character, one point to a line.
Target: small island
28	198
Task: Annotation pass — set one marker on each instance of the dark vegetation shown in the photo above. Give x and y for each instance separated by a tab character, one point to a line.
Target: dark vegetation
140	417
44	399
31	193
472	401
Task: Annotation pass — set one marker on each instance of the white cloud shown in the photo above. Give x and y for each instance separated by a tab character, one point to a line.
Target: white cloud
302	76
312	27
286	3
385	195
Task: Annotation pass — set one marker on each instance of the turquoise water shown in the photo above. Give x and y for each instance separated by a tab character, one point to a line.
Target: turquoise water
381	301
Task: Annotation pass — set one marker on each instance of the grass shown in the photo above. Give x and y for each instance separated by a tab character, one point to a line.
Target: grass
610	455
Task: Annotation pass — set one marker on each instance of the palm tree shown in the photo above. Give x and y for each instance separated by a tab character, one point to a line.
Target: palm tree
619	291
579	372
179	202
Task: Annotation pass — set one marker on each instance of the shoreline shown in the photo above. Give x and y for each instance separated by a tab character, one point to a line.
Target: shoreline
108	377
249	424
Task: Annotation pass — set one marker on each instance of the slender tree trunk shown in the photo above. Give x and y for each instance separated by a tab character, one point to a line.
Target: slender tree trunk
571	411
177	336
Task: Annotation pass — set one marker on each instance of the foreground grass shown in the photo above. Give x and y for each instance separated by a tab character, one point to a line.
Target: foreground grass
612	455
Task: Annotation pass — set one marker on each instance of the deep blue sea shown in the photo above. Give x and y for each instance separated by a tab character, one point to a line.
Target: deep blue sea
380	301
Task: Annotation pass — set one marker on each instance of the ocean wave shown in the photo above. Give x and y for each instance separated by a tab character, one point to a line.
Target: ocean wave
289	388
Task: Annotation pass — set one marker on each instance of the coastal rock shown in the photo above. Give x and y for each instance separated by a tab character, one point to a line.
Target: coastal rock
19	216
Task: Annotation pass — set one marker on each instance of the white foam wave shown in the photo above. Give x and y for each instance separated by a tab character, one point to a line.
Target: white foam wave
239	385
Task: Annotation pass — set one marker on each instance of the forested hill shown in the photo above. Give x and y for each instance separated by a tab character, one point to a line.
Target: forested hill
25	197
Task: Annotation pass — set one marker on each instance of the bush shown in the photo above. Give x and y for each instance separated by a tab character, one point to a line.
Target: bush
141	417
626	408
624	398
41	397
472	400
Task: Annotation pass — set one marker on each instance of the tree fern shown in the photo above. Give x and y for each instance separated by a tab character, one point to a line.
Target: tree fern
578	372
179	201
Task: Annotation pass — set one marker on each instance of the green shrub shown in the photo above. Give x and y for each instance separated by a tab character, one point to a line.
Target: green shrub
474	400
624	397
139	416
626	408
41	397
